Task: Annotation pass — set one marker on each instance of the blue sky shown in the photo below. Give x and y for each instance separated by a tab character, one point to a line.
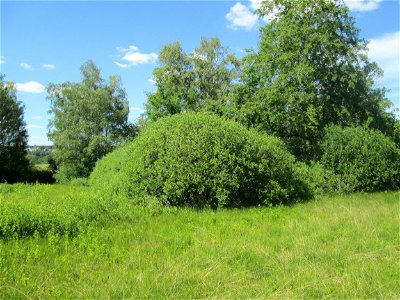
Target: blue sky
46	42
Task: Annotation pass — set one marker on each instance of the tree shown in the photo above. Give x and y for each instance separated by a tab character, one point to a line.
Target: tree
89	120
311	70
215	69
174	80
197	81
14	164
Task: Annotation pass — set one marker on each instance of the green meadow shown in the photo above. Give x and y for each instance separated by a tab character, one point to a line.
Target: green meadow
269	171
65	241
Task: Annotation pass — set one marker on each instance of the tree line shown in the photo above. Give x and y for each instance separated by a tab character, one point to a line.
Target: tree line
311	70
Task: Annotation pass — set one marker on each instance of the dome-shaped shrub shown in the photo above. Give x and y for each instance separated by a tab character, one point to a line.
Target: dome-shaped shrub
202	160
106	175
365	159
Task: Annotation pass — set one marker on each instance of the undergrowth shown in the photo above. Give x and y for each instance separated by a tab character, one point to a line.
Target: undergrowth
28	210
339	247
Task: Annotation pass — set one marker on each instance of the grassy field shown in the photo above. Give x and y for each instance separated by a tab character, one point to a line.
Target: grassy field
339	247
42	167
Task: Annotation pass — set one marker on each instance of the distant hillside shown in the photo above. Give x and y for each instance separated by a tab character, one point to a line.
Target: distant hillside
39	154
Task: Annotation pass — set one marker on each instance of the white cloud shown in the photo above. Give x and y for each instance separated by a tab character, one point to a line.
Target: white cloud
135	112
386	46
139	58
385	51
240	17
130	48
121	65
38	140
30	87
32	126
132	56
136	109
26	66
255	4
152	80
36	117
48	66
134	116
362	5
2	60
243	17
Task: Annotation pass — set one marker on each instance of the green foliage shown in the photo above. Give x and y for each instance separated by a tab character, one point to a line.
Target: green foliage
365	159
28	210
40	175
396	133
344	247
322	181
198	81
13	136
107	175
310	71
40	155
202	160
89	120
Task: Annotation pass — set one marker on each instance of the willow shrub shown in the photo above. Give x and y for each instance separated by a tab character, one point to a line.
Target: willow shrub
106	175
202	160
366	160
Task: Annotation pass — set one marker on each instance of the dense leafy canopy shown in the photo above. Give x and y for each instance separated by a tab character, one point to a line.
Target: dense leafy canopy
311	70
89	120
310	83
13	136
200	159
197	81
366	160
108	175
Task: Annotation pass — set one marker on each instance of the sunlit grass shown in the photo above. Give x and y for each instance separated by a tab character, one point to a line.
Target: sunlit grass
59	209
42	167
341	247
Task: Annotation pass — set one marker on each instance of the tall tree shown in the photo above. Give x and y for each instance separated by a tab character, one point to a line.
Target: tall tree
14	164
215	70
195	81
89	120
174	80
311	70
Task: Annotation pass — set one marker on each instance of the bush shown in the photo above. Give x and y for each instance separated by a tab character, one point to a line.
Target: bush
106	175
202	160
366	160
40	175
322	181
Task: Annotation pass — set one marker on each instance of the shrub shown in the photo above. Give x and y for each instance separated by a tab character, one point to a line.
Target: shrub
106	175
366	160
40	175
80	181
202	160
322	181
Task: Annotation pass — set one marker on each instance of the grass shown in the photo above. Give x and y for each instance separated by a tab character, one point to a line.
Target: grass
28	210
42	167
338	247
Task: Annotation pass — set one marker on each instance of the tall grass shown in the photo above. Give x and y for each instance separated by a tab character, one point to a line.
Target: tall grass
340	247
36	209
